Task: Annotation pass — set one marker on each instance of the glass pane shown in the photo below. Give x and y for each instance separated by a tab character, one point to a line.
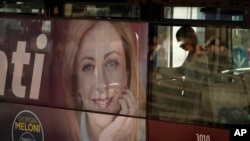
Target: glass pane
200	75
23	7
204	13
101	10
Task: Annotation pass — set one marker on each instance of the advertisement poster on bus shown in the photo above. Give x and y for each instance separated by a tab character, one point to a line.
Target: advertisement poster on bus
25	45
100	67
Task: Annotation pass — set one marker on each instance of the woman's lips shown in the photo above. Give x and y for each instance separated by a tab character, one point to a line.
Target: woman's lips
103	103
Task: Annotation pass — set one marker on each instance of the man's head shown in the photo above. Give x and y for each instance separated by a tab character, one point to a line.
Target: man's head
187	37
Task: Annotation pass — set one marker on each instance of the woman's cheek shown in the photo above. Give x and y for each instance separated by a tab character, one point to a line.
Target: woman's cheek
86	88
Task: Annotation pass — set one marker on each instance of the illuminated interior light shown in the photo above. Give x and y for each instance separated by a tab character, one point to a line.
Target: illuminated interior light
19	2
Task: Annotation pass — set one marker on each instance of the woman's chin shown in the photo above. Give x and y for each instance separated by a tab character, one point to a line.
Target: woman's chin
107	110
102	120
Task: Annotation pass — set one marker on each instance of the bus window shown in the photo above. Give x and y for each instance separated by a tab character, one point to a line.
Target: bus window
204	13
23	7
199	74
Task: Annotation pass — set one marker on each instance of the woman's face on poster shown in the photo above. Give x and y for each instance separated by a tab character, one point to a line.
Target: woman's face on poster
101	68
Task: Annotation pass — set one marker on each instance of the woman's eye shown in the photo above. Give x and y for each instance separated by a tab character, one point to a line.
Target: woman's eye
111	64
88	68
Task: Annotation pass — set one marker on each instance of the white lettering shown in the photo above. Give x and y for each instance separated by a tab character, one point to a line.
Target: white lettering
37	76
237	132
240	132
3	71
202	137
243	131
19	58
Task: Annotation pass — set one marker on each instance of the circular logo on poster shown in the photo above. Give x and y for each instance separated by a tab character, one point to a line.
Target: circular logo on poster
27	127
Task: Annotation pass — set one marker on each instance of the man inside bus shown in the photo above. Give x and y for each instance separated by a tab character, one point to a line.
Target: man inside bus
193	72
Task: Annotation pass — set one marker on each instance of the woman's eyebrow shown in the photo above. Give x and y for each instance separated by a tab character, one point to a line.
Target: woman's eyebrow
112	52
87	58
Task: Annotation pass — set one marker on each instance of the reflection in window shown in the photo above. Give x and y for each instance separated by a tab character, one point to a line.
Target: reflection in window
28	7
204	13
101	10
216	93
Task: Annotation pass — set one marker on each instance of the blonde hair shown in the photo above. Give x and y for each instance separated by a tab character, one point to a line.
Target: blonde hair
75	33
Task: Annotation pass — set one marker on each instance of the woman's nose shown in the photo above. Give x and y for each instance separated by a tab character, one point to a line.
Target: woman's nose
101	80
